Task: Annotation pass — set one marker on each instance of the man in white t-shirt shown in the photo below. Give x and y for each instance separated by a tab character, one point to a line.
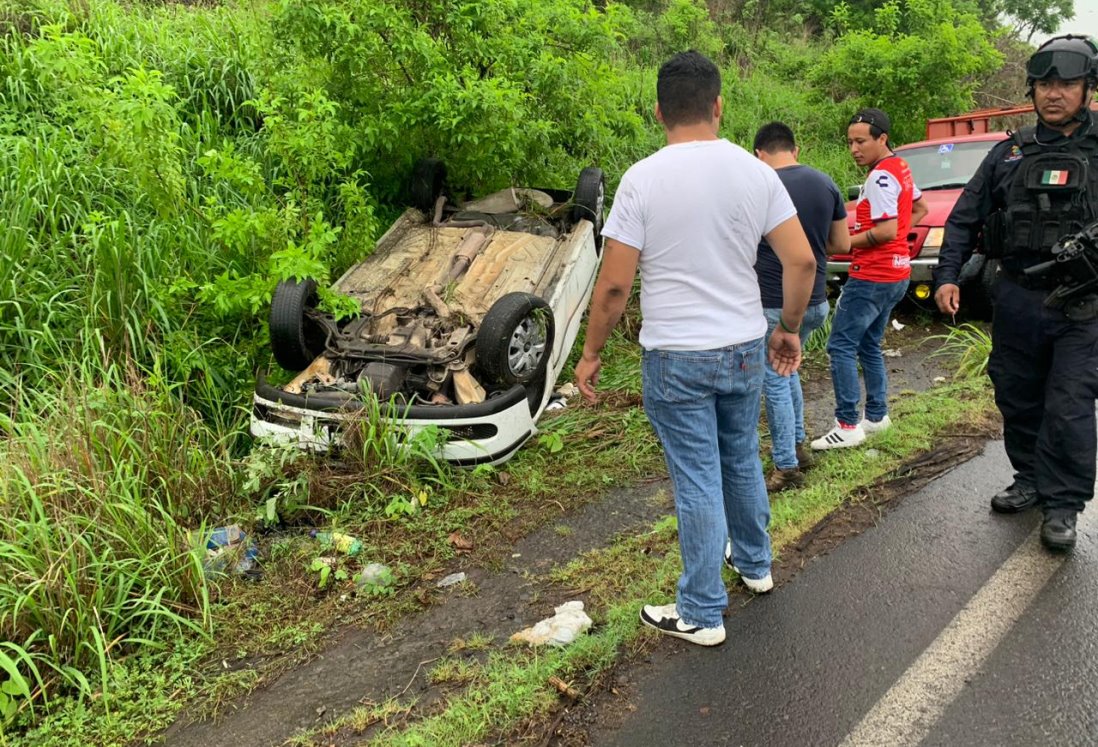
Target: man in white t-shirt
691	217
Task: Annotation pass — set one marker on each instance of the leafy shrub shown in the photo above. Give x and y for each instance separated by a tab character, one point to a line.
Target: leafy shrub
920	59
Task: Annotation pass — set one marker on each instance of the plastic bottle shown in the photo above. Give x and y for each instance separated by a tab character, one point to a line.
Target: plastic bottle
344	543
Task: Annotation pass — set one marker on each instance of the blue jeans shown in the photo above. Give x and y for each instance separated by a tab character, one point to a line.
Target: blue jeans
784	398
704	406
856	333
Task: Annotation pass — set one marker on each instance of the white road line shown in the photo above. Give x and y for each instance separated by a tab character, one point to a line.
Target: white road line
907	712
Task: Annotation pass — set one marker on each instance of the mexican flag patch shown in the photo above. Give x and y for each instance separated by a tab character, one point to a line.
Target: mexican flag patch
1055	178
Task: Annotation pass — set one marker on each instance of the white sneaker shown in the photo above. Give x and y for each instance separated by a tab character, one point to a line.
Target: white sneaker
757	585
840	438
870	427
665	618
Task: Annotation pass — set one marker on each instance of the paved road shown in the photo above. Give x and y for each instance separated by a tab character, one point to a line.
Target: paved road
944	625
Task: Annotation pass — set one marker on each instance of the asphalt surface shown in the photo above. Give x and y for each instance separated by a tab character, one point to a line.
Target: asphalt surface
945	624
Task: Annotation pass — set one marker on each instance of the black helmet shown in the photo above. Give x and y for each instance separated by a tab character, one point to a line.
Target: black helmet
1067	57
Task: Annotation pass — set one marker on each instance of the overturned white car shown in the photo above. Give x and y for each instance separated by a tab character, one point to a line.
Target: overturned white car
469	311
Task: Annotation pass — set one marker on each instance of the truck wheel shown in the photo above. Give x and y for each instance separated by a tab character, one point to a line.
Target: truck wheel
515	340
428	183
589	200
296	340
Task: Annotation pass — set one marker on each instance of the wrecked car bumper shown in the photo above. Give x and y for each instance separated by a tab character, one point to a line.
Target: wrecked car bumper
488	432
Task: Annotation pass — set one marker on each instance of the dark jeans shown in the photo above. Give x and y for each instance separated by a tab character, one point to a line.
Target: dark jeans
1045	371
856	333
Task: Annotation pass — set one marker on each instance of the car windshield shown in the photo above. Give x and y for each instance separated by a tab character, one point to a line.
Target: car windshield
946	165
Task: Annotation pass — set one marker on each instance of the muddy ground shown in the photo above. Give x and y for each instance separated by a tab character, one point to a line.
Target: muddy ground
359	666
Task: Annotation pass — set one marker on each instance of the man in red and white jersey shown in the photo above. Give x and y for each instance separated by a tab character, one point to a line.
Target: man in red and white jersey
888	205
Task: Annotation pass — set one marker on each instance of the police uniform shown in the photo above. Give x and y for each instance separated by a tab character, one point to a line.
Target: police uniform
1031	190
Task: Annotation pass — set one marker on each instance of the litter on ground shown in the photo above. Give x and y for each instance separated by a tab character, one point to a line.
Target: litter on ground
228	549
559	630
451	580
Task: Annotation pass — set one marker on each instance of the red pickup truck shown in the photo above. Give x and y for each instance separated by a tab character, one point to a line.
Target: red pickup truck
941	166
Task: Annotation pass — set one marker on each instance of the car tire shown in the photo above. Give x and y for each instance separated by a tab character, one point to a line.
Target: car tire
428	184
296	340
589	200
515	340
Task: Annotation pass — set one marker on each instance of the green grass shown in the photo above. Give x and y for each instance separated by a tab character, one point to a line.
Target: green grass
95	552
148	692
969	347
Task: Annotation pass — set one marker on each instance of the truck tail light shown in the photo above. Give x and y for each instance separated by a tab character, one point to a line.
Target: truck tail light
933	243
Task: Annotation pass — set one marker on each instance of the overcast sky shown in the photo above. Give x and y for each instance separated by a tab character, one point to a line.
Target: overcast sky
1085	21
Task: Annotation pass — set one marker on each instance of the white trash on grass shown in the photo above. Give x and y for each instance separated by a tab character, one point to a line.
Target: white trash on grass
452	580
558	630
560	398
374	575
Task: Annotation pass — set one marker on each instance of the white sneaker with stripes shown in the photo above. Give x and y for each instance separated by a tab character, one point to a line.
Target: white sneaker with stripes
840	437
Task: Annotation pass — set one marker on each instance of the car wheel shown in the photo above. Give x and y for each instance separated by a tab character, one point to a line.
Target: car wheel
428	183
589	200
295	338
515	340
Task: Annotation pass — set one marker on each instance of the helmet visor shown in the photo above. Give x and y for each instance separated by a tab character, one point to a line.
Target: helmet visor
1063	64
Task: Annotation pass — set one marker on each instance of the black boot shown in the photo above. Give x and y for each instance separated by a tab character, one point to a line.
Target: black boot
1058	530
1014	499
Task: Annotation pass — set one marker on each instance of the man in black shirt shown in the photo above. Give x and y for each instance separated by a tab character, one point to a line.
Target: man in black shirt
1031	191
822	215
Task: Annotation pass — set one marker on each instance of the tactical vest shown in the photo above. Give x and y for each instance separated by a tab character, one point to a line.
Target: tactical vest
1054	193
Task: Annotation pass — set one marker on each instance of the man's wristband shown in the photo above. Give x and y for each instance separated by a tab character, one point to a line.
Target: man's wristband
786	328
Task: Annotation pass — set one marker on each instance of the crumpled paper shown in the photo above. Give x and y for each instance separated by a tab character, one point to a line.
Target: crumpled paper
558	630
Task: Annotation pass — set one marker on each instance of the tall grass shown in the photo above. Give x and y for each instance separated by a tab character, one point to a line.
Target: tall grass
969	345
99	490
106	464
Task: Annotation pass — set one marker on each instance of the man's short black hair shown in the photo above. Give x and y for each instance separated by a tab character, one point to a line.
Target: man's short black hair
686	88
775	137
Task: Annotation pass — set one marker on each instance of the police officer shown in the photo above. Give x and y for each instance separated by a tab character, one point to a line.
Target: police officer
1032	189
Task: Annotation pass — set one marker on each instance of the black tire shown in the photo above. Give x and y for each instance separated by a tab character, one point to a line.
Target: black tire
589	200
428	183
515	340
296	340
